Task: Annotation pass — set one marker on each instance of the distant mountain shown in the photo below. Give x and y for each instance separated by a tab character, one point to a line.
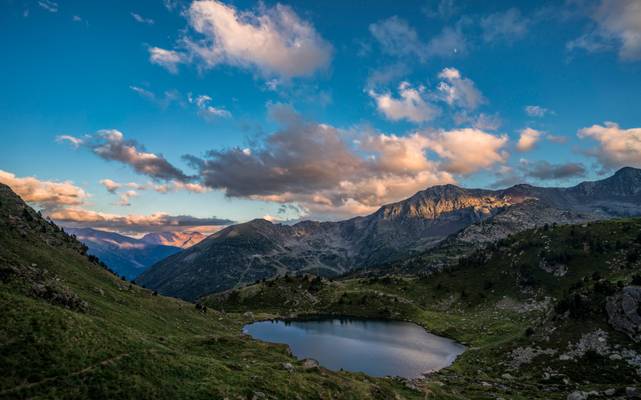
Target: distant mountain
126	256
257	249
175	239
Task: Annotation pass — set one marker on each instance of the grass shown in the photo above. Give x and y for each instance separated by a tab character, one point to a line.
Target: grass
495	301
71	329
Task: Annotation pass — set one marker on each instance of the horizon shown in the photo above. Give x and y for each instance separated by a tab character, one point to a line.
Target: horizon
169	124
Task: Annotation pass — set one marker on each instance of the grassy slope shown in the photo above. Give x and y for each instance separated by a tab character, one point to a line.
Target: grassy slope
92	335
483	303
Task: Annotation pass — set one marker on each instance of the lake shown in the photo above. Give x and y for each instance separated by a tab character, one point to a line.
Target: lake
375	347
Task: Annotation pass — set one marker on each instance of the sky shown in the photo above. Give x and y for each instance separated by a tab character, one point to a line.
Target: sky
176	115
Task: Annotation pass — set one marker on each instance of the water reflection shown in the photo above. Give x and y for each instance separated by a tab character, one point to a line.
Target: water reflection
376	347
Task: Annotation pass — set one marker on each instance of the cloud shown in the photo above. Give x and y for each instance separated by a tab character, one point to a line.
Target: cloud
110	145
74	141
617	26
537	111
556	138
528	139
47	194
125	197
468	150
445	9
326	170
397	38
111	186
141	19
538	170
507	26
157	222
450	41
458	91
173	186
271	40
386	74
543	170
168	59
411	104
487	122
206	110
48	5
618	147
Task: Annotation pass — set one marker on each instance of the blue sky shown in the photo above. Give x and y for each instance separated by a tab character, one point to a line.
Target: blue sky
306	109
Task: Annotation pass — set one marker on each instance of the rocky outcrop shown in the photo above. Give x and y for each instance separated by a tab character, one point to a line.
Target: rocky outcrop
623	311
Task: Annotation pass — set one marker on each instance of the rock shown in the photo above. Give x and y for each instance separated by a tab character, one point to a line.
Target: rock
310	363
249	314
577	395
258	395
622	309
609	392
632	393
288	366
507	376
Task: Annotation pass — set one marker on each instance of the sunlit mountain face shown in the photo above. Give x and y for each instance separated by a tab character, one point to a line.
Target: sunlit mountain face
195	115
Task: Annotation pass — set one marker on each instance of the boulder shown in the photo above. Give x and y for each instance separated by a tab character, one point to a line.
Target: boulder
310	363
623	311
577	395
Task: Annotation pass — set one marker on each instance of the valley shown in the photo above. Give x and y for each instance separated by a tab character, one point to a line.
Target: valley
539	313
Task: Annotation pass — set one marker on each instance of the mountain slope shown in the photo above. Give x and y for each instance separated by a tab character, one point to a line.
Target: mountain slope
69	329
126	256
246	252
545	313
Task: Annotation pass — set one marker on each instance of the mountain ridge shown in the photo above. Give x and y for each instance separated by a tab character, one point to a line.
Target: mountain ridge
258	249
125	255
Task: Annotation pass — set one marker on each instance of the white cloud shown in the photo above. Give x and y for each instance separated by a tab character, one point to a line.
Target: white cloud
410	105
507	26
458	91
168	59
333	172
274	41
206	110
74	141
48	194
111	145
48	5
134	223
468	150
141	19
618	147
111	186
125	197
397	38
537	111
528	139
618	26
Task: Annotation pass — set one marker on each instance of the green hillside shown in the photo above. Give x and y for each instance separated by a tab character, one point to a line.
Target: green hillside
69	329
531	308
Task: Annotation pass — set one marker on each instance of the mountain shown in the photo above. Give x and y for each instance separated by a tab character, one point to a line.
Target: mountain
175	239
258	249
70	329
126	256
548	313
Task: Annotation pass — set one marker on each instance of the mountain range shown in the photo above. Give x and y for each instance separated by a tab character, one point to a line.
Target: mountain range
125	255
259	249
